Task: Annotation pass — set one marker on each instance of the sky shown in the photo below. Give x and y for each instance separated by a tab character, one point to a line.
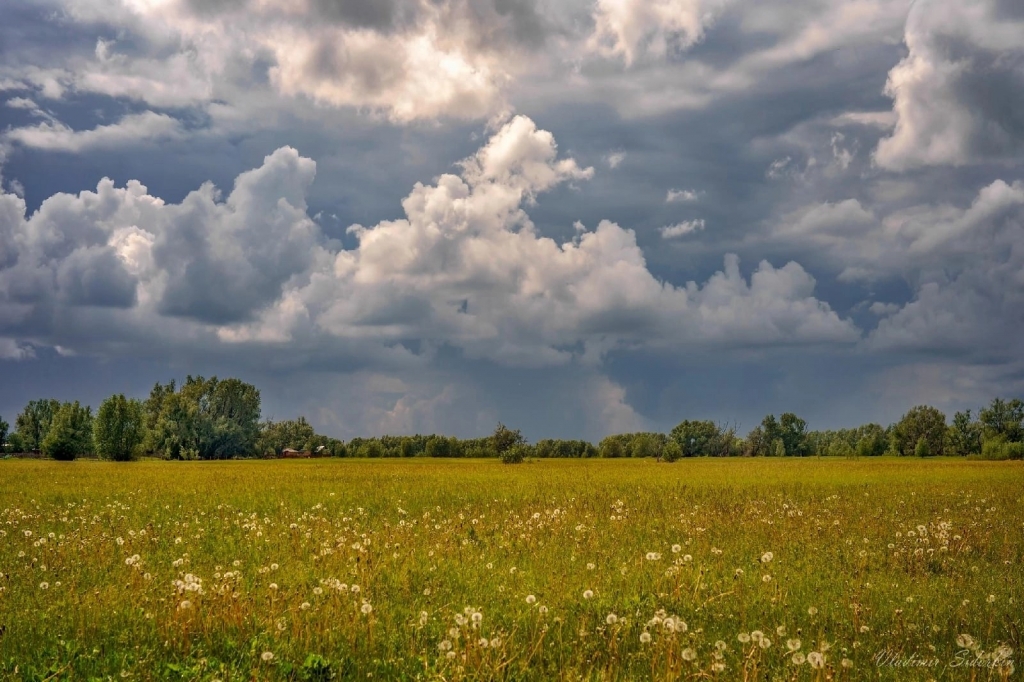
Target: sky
575	217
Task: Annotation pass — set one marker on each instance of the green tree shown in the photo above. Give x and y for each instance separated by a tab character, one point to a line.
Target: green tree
922	449
1003	420
34	422
289	433
920	422
15	443
646	445
516	454
703	438
438	446
841	448
964	435
671	452
4	426
504	438
70	433
119	428
206	418
370	448
793	432
611	447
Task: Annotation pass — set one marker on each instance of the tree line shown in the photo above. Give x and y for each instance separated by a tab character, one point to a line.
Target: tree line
221	419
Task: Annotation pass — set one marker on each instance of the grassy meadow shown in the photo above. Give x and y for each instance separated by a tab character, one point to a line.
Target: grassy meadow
736	569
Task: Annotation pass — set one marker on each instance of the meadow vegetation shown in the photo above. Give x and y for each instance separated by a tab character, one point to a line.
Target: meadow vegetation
711	568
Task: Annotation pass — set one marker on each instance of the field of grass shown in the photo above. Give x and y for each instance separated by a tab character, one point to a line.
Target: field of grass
734	569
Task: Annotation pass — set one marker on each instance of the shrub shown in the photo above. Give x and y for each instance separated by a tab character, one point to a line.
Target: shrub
672	451
922	449
997	449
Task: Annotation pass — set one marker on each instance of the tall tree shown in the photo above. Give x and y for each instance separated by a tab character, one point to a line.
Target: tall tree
70	433
921	422
4	426
119	428
964	435
1003	420
206	419
793	434
34	422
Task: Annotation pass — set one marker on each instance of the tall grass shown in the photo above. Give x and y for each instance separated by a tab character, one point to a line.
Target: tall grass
414	569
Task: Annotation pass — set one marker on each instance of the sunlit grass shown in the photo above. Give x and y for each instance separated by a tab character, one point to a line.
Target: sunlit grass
722	569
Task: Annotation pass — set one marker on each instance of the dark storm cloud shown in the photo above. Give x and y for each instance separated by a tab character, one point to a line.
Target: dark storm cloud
898	208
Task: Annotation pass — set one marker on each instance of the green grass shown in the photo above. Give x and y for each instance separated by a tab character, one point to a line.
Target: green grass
429	543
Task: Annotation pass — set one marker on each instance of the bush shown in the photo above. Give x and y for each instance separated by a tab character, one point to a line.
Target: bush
997	449
515	454
922	449
672	451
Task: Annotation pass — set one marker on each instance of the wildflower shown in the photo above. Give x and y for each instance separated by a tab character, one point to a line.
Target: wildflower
964	641
272	586
611	619
676	549
991	598
445	645
645	637
477	616
44	586
721	645
354	589
767	557
798	658
757	635
864	628
653	556
743	637
185	604
483	642
812	611
781	631
816	660
765	643
530	599
273	567
588	594
846	663
718	667
304	605
120	541
267	656
738	573
689	654
591	567
450	655
766	578
792	644
318	591
366	608
687	558
495	643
